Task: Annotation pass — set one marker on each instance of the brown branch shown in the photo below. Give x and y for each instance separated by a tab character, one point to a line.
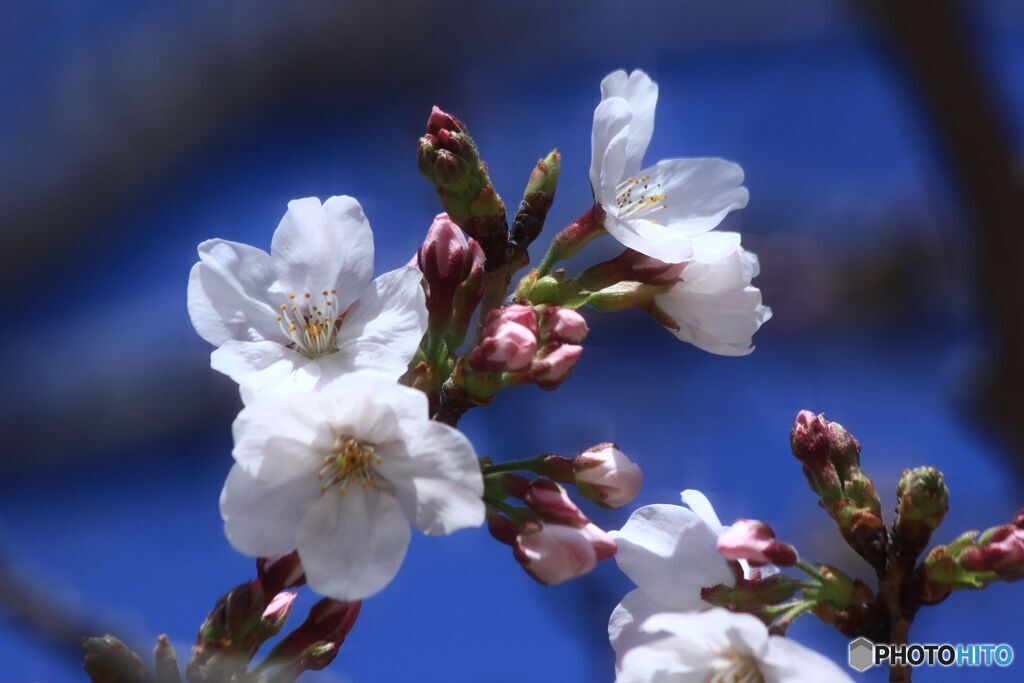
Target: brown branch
927	35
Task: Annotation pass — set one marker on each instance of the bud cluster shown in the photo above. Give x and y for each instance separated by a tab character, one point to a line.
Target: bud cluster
448	157
973	561
521	345
240	623
831	462
551	537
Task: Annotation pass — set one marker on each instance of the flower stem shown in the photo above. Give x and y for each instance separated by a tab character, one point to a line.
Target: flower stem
808	568
794	610
527	464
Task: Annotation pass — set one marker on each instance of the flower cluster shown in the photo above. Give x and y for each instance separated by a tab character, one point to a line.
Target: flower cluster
711	601
352	386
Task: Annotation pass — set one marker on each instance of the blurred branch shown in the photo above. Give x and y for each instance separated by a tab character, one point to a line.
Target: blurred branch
32	607
928	36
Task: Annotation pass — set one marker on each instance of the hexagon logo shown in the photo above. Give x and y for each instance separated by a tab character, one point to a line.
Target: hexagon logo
862	654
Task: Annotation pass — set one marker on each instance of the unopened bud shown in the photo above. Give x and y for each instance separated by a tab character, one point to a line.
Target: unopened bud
165	662
923	500
509	341
502	529
844	450
831	462
448	157
446	258
537	199
811	444
554	363
552	502
606	476
326	628
276	613
1002	553
515	485
631	266
554	553
755	542
603	544
107	659
564	325
467	296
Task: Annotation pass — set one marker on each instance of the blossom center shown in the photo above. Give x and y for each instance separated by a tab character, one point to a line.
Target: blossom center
312	327
637	198
739	669
350	462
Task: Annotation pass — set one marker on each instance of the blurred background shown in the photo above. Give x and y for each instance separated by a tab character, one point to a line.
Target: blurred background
882	145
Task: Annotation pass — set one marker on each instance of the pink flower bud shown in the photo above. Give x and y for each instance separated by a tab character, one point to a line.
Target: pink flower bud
502	529
509	348
562	325
509	341
554	364
442	251
446	258
606	476
810	438
754	542
603	544
517	313
1003	554
280	607
554	553
440	121
551	501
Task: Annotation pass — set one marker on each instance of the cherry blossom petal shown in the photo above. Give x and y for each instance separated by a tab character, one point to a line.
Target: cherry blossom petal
227	293
642	95
700	192
352	544
702	507
624	624
322	247
256	366
281	436
384	328
669	552
608	148
437	478
787	661
260	518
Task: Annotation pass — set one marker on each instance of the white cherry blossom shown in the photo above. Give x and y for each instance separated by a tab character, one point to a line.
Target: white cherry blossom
719	645
655	210
307	312
341	474
713	304
670	552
